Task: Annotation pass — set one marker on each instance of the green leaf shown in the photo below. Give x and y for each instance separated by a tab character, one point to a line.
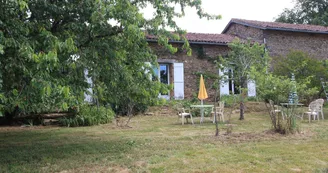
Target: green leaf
15	92
1	49
66	92
48	89
22	5
64	106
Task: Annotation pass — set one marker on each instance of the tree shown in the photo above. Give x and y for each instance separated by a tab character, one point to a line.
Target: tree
45	47
276	88
305	68
313	12
242	58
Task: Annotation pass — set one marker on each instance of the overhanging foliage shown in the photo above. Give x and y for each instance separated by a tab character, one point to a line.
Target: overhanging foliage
45	47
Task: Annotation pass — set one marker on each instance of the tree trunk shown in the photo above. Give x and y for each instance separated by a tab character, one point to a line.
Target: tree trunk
242	97
242	109
215	117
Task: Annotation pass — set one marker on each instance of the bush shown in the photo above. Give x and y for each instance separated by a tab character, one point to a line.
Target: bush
229	100
303	66
89	116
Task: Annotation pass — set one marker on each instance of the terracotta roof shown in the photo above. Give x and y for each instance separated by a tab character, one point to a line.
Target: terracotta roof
201	38
279	26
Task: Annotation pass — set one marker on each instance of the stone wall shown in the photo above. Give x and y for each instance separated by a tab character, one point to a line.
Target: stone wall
245	32
281	42
199	62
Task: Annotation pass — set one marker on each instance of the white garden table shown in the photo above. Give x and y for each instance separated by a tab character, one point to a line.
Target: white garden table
201	107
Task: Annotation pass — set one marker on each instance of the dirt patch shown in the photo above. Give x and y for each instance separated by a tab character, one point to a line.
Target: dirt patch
269	135
140	164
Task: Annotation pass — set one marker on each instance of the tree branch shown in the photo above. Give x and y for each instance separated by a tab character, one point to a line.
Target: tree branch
100	36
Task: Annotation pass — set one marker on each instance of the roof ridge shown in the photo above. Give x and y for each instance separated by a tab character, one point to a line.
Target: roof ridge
277	22
279	26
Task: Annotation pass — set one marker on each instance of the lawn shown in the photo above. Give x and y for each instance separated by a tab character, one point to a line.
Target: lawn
162	144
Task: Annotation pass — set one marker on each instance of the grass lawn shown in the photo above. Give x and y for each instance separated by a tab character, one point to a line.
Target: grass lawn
162	144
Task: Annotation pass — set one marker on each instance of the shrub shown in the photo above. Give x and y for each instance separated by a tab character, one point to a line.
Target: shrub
303	66
230	100
89	116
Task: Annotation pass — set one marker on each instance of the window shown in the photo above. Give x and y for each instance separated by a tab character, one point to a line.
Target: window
164	73
170	73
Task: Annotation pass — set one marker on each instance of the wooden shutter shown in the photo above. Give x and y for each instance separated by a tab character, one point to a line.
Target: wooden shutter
224	86
251	86
178	81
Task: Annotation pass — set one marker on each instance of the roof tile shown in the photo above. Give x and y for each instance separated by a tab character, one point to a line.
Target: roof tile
283	26
204	38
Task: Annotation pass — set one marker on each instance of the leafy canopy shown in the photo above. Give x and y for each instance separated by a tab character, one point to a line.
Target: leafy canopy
313	12
243	57
46	46
303	66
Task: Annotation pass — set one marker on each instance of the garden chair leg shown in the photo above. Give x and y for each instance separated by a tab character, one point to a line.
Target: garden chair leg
309	118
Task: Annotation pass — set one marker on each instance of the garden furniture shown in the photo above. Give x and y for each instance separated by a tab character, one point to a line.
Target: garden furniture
185	114
219	112
313	111
201	110
289	111
277	109
320	106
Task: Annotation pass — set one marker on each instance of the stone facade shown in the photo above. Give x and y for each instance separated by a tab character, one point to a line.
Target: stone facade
282	42
245	32
199	62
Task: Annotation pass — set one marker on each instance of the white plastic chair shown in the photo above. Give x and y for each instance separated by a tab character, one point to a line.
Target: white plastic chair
313	111
183	114
277	110
219	112
320	105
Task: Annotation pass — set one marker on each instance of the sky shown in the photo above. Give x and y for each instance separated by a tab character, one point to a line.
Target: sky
261	10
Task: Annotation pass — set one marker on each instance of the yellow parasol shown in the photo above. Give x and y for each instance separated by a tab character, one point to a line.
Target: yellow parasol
202	94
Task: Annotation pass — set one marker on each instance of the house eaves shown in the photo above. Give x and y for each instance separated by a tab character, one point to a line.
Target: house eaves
192	42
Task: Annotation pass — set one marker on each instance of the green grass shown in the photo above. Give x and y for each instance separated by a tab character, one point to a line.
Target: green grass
162	144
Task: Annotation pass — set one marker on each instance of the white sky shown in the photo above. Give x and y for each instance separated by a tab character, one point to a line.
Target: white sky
261	10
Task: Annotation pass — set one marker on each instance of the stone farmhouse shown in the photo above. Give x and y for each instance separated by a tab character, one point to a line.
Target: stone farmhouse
279	38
